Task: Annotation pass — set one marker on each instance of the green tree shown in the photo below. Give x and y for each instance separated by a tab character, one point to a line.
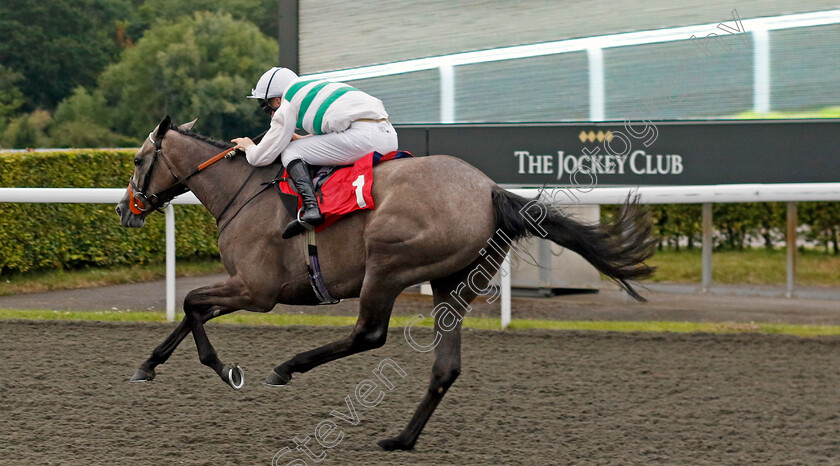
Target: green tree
82	120
738	222
824	221
59	44
201	66
735	221
10	96
673	222
25	135
85	106
27	130
84	134
263	13
686	222
771	218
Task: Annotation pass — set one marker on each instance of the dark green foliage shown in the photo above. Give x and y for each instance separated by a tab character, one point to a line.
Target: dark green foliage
824	221
734	222
26	130
263	13
10	96
82	120
737	225
202	66
678	220
187	58
58	45
50	236
25	136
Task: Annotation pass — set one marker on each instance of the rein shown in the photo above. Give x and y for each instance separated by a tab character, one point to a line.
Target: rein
265	186
140	202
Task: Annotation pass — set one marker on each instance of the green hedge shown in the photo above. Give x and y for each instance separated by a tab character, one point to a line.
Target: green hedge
738	224
52	236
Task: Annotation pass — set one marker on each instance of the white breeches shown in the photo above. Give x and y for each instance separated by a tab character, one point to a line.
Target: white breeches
344	148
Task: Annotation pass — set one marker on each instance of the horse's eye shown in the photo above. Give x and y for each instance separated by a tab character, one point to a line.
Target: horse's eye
138	162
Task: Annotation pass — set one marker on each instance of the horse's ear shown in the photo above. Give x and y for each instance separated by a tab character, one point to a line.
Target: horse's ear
188	126
162	128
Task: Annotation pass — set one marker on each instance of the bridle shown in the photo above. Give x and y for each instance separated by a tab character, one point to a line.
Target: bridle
140	202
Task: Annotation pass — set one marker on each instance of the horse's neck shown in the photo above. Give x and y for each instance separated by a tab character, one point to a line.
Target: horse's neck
216	185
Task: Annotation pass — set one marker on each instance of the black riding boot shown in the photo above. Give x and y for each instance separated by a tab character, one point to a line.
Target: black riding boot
311	216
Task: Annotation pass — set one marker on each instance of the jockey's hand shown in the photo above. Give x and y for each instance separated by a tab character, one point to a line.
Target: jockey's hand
296	136
242	143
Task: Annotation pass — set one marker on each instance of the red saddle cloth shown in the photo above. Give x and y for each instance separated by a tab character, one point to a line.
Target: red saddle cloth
347	189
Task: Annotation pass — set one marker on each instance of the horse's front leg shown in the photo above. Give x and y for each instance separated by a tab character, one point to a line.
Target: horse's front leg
375	304
161	354
201	305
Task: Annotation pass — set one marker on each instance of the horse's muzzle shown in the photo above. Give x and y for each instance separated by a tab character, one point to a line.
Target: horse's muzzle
127	218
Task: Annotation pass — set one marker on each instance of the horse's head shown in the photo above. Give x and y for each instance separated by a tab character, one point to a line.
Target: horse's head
154	183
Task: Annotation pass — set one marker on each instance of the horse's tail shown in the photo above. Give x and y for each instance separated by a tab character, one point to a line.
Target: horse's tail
617	249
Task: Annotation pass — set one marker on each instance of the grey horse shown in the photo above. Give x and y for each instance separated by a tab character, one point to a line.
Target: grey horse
435	220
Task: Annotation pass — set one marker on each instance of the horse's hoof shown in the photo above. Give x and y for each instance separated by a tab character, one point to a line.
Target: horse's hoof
276	380
143	376
234	376
394	443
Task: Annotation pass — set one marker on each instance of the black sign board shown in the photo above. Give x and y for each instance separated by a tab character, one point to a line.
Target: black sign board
659	153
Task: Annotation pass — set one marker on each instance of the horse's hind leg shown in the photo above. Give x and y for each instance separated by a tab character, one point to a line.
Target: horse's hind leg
447	364
375	304
451	294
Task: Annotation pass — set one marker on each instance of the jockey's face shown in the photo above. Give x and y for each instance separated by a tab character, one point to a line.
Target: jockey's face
270	106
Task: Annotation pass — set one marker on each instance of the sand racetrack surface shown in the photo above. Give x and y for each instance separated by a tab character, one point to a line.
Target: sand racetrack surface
524	397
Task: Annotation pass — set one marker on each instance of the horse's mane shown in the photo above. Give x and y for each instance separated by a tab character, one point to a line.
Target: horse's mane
201	137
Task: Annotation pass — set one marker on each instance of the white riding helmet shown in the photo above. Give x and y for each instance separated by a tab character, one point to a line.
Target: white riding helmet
272	83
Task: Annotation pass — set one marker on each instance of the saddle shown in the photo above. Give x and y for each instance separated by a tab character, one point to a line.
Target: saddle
320	174
341	189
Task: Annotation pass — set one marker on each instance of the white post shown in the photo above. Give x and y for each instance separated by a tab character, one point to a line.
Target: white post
447	93
504	271
790	269
761	71
596	83
170	263
707	247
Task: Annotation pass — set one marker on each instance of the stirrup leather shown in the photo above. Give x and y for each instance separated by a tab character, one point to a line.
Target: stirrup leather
313	266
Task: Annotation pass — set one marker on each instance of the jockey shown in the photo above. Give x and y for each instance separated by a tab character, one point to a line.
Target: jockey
344	125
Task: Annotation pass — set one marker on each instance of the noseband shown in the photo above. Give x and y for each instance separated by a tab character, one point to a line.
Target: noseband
140	202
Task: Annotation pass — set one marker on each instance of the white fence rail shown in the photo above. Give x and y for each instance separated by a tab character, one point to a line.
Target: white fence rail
706	195
712	194
759	29
75	196
106	196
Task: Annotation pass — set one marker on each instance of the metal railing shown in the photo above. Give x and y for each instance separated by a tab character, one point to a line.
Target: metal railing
758	29
706	195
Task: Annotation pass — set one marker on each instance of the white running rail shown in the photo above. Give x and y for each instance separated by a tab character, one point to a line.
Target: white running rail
106	196
707	195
